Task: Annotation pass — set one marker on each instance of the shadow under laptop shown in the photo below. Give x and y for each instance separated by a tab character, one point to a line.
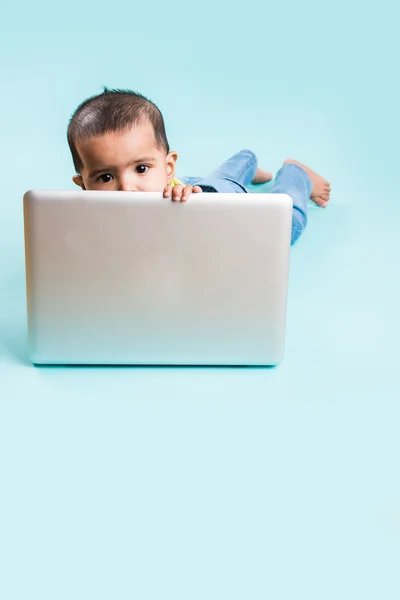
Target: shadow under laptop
147	366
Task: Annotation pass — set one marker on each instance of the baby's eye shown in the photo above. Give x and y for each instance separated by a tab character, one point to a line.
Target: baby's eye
102	178
140	167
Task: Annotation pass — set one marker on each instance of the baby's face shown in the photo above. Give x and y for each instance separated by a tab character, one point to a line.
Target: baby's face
128	161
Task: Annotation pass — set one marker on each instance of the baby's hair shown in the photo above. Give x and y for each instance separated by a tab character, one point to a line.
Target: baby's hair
113	110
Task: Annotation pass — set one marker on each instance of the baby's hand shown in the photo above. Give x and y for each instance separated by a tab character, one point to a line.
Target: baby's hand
180	193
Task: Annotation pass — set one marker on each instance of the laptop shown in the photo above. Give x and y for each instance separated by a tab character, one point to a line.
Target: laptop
132	278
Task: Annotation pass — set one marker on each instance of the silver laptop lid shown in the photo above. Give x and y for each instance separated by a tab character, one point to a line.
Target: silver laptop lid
134	278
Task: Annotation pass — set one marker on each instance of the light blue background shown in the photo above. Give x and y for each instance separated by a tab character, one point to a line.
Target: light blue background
194	483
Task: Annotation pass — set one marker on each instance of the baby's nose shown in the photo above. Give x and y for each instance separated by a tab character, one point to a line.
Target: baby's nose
126	186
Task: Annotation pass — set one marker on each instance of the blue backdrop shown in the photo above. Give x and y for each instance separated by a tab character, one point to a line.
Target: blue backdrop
188	483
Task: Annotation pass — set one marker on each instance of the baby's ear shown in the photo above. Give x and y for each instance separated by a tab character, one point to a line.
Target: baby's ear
79	181
171	159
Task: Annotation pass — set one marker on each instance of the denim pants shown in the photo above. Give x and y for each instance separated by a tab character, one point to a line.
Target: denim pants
238	171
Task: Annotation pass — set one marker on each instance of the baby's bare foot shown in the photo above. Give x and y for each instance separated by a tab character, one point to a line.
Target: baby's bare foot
262	176
321	188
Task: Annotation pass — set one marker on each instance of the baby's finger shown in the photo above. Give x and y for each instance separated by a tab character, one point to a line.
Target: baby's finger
197	189
186	193
177	192
168	191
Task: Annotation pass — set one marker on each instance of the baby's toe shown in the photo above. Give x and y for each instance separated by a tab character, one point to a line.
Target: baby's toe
319	200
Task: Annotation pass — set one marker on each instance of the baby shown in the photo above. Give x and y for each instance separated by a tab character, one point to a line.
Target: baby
118	142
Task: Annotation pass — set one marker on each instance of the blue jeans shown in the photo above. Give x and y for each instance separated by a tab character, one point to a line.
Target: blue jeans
239	170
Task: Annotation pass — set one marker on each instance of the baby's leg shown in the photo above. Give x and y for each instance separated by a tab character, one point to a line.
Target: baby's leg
294	181
321	188
301	183
240	168
231	176
235	173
